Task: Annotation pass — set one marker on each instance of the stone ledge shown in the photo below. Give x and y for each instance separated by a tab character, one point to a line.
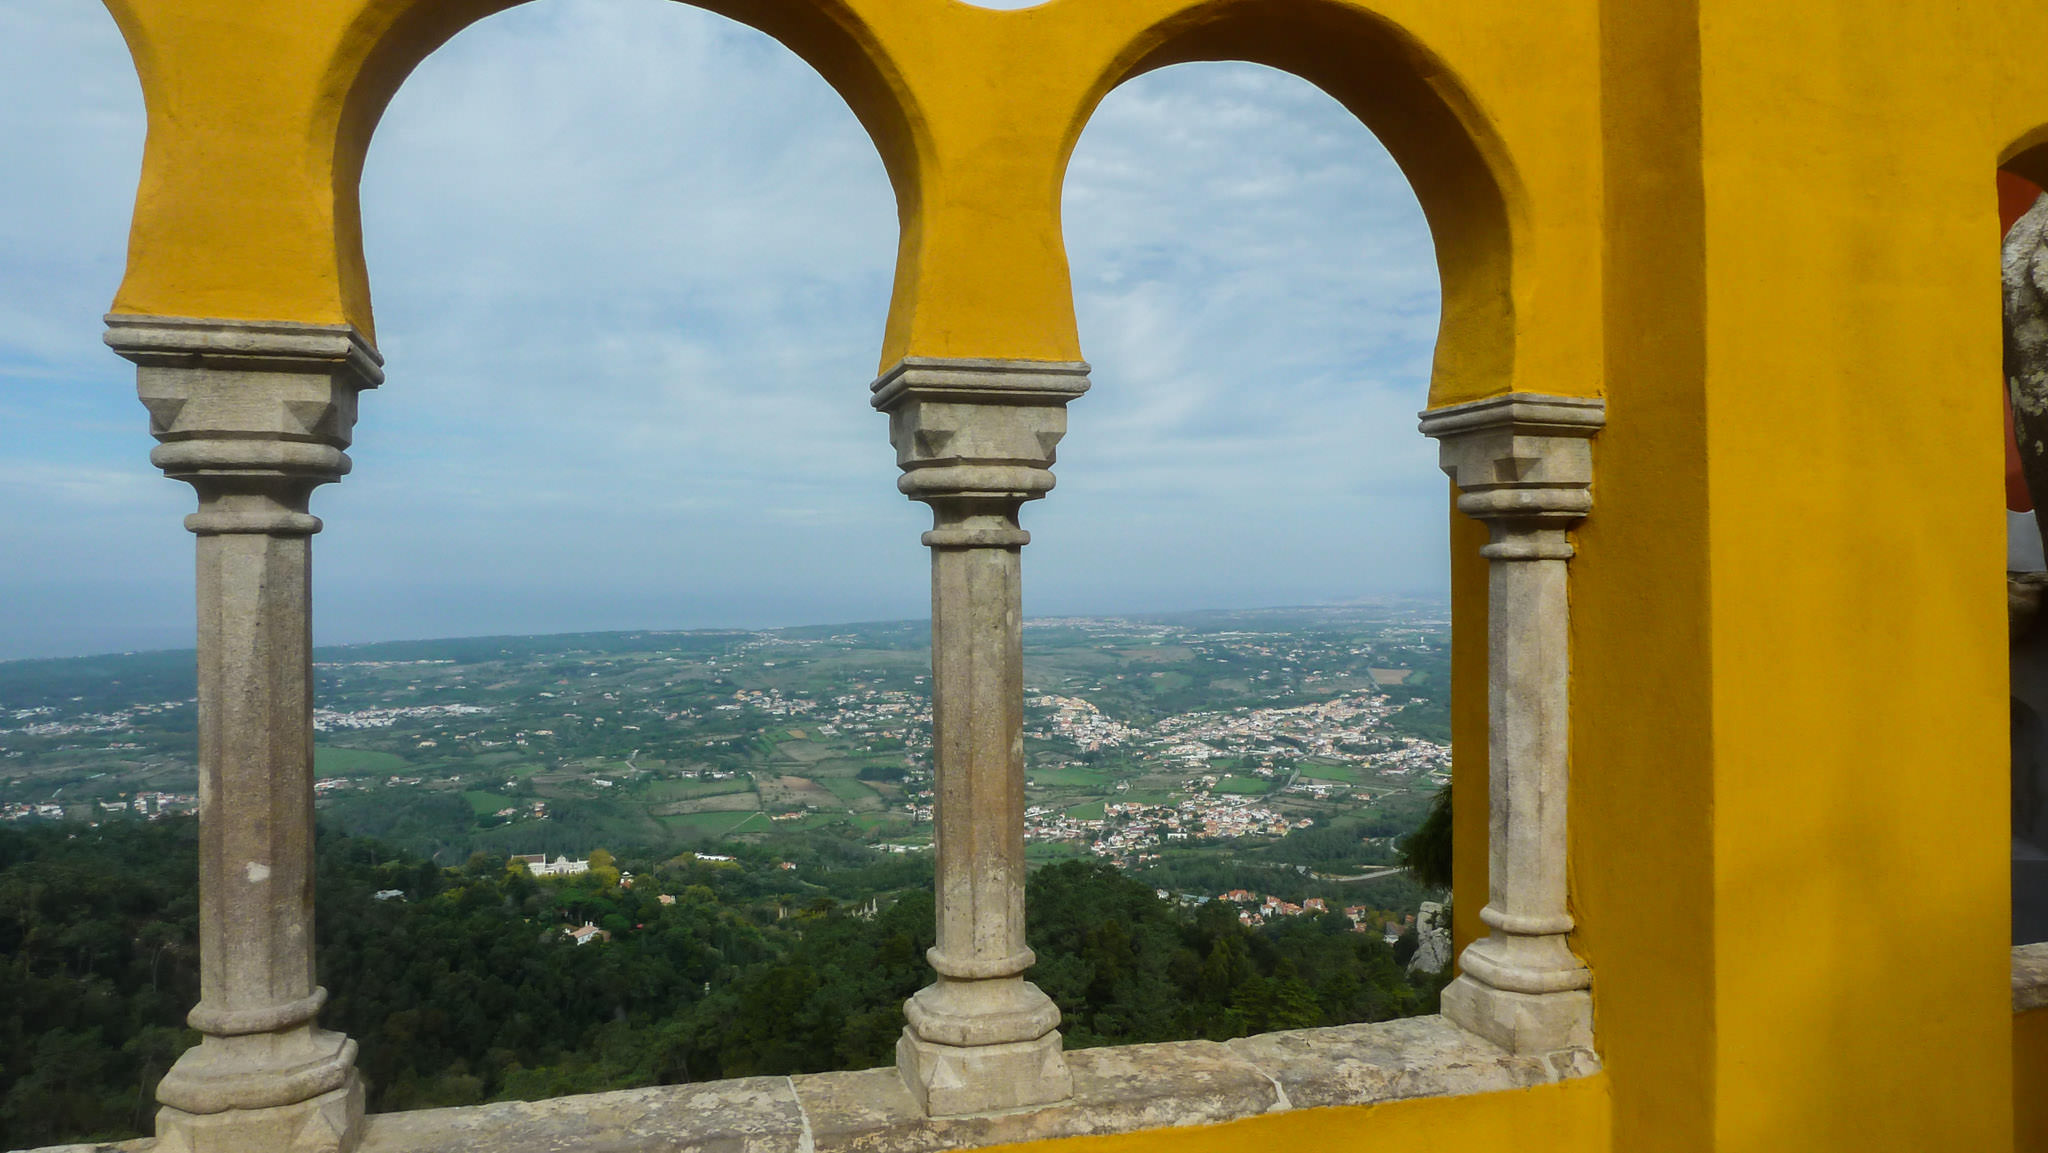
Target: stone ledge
1395	1060
746	1115
1116	1090
2030	977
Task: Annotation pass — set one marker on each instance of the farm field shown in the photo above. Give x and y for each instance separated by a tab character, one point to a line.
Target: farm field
335	761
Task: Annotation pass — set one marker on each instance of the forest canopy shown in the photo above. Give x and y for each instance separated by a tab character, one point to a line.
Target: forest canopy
461	985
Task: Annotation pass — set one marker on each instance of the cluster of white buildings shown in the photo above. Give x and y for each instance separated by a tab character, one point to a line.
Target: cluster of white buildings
40	721
373	665
151	805
1328	729
329	720
1338	730
1082	723
883	713
539	865
1126	829
1415	757
771	701
865	712
1257	909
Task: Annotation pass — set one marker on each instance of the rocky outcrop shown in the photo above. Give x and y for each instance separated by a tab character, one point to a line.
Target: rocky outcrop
1433	933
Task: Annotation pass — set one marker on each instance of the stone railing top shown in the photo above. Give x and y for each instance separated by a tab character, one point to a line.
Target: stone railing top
1116	1090
2030	977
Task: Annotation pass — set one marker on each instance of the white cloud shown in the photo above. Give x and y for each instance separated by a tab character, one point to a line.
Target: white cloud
1258	297
631	265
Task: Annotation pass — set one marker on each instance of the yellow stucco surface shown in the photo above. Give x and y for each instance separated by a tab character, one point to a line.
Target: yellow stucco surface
1855	534
1766	233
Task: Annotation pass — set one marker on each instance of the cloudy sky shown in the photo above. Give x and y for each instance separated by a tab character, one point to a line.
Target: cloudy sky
631	263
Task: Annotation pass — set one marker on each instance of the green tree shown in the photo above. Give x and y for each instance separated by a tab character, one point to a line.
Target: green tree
604	868
1427	851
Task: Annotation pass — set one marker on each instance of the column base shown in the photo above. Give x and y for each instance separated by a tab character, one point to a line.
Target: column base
1522	1023
951	1080
329	1123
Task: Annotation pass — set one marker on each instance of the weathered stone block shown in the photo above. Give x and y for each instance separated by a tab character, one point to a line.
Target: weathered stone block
2030	977
329	1123
948	1080
1527	1024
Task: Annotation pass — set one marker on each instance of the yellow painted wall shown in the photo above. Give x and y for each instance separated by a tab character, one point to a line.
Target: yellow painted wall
1764	232
1642	783
1855	547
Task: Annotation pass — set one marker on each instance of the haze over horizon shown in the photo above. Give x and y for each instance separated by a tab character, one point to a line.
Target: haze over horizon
1440	598
631	264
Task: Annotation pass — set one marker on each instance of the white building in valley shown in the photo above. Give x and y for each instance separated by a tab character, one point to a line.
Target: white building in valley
538	865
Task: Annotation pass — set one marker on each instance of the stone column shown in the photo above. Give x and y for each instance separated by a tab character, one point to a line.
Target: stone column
254	415
975	440
1523	464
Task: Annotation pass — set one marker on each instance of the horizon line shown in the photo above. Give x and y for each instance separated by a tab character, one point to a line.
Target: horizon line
1439	598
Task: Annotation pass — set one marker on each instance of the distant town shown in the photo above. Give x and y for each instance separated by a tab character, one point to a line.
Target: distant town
1144	737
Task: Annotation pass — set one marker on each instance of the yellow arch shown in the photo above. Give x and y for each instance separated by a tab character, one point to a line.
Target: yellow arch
1458	168
260	120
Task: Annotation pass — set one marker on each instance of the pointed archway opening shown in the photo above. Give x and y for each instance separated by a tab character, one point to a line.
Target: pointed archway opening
1257	292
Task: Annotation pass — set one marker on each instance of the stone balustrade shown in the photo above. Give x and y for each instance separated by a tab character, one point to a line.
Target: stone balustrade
256	415
1128	1089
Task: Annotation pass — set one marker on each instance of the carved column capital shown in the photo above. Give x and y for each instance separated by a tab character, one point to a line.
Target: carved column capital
976	439
253	414
1523	463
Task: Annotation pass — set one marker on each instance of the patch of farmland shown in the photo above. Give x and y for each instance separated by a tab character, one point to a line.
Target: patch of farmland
712	826
1328	772
802	751
1245	786
851	791
781	794
1158	655
337	761
840	765
656	792
891	824
1071	778
485	804
723	803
